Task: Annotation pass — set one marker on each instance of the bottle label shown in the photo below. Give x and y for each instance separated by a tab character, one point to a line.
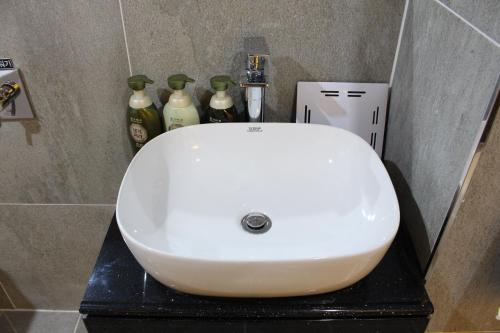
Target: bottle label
175	123
138	133
221	115
136	120
214	120
174	126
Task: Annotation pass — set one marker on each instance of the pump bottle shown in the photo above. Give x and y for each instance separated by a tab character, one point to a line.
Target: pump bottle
143	118
180	110
221	108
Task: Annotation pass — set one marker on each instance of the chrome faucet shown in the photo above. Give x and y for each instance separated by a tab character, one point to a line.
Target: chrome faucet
255	83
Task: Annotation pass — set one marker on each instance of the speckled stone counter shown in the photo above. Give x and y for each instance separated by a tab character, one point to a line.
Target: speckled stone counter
122	297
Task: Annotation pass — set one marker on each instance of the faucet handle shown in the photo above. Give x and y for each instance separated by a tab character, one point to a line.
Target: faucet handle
256	62
8	91
255	68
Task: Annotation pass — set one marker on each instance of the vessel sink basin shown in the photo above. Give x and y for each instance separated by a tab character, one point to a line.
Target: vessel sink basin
257	210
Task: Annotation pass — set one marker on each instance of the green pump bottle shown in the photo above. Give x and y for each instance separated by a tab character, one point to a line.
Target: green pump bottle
180	110
143	118
221	108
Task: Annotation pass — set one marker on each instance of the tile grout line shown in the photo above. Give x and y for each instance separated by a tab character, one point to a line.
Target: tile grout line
125	37
77	322
53	204
7	295
400	38
482	33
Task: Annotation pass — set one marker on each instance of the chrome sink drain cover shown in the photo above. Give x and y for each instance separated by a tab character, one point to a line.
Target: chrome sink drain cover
256	223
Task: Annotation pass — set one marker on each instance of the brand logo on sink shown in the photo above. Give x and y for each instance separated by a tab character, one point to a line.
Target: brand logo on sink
254	129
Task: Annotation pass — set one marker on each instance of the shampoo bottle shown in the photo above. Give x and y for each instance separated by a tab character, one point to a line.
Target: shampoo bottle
221	108
180	110
143	118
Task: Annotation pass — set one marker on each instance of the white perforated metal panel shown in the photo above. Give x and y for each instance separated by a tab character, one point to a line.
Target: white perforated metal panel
356	107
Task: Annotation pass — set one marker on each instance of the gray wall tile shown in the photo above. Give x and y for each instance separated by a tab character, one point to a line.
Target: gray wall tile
49	251
36	322
445	77
482	14
307	40
73	58
464	279
5	326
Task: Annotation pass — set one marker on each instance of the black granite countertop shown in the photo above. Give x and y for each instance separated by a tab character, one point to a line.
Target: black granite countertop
119	286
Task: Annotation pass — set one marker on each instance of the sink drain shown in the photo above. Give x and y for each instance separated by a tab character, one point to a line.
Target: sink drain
256	223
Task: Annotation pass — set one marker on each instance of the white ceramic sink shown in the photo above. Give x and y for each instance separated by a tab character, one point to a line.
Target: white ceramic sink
333	209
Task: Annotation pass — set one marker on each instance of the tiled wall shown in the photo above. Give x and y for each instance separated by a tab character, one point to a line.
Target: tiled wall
482	14
307	40
73	57
464	279
60	173
445	77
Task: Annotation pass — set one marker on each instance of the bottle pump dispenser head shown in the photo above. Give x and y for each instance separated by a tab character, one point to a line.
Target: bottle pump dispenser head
221	82
138	82
178	81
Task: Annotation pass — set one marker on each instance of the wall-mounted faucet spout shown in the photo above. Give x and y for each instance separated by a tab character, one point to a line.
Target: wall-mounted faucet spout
255	83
